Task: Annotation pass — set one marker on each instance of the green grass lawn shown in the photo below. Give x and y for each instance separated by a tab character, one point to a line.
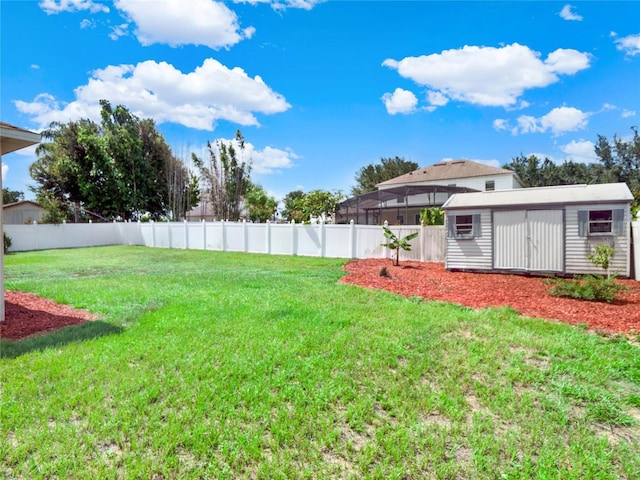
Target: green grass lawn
221	365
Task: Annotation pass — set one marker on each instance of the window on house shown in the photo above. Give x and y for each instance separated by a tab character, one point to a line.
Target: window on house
463	226
601	222
400	199
489	185
400	220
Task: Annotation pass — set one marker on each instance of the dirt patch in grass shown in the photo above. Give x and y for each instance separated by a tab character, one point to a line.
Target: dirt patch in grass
27	314
525	294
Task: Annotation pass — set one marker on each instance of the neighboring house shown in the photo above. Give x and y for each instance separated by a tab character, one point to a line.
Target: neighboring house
23	212
202	212
11	139
400	200
539	230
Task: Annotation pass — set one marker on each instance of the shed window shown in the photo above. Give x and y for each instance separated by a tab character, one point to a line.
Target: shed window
489	185
601	222
463	226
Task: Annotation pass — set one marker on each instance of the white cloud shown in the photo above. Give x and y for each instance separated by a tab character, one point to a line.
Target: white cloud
487	75
204	22
35	66
437	99
558	121
630	44
568	13
56	6
628	113
400	101
582	151
5	171
118	31
86	23
196	99
501	124
266	161
284	4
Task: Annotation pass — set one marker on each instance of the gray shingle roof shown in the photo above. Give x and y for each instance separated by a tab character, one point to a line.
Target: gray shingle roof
447	171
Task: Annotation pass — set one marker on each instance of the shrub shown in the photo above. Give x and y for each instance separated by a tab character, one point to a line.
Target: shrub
7	241
586	287
432	216
590	287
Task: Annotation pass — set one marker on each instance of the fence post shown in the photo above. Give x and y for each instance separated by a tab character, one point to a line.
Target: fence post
245	236
352	239
387	250
186	235
268	239
153	234
224	236
294	243
322	238
204	234
422	239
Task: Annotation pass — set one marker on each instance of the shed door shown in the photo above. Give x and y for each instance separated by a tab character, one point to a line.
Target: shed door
529	240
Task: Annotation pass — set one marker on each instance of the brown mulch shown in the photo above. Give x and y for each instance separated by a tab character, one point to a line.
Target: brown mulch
27	314
525	294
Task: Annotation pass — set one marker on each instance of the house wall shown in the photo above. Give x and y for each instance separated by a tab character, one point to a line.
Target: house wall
502	182
21	214
577	248
471	253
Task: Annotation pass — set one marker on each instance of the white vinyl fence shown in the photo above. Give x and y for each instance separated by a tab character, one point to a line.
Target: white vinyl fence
319	240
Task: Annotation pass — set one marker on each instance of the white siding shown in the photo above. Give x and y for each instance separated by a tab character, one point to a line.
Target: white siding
545	240
510	240
577	248
471	253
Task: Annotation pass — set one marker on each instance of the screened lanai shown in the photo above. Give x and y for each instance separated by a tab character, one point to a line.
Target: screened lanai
395	205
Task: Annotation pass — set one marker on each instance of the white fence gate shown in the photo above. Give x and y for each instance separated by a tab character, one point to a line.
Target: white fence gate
318	240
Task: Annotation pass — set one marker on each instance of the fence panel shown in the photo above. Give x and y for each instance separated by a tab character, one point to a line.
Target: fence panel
337	241
282	238
333	241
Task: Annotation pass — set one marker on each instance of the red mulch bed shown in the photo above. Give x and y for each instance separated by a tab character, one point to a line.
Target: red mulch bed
525	294
27	314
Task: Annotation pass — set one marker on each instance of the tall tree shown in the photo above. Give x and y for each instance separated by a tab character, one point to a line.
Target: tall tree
259	205
226	177
368	177
293	208
115	169
11	196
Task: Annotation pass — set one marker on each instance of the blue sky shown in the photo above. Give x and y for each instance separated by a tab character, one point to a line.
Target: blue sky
321	89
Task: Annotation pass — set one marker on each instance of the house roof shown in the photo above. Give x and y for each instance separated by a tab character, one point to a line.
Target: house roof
557	195
447	171
21	202
13	138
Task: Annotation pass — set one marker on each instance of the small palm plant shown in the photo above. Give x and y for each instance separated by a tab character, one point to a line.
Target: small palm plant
396	243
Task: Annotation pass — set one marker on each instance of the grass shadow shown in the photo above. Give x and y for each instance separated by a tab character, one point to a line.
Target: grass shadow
57	338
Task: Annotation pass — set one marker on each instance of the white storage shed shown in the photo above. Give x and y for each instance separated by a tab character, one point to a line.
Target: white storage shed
546	230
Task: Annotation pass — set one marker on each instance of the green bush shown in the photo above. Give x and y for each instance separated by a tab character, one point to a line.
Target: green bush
7	241
586	287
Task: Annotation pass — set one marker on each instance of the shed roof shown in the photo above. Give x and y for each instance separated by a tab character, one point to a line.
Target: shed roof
447	171
20	203
557	195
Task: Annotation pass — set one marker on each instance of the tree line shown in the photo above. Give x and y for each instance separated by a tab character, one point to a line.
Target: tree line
122	169
618	161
